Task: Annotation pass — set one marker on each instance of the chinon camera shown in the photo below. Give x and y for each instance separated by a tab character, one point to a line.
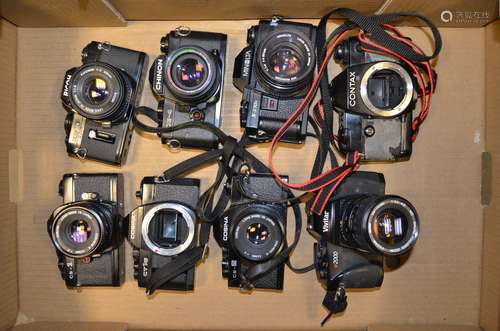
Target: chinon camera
252	232
188	79
375	96
87	230
360	227
164	227
100	97
274	73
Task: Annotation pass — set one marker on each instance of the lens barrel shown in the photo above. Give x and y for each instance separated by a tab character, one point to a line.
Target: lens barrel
386	224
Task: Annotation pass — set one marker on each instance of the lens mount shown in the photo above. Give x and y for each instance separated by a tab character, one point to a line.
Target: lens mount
192	74
100	92
82	230
186	215
387	68
285	62
257	234
391	217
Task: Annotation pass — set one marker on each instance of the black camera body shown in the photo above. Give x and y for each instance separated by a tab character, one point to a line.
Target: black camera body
100	97
274	73
375	97
359	227
164	227
188	79
87	230
252	232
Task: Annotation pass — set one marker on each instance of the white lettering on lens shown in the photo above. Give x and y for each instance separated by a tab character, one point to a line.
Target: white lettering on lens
159	75
326	223
66	86
352	89
225	229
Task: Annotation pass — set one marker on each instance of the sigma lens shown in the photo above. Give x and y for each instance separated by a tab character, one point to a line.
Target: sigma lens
388	224
100	92
83	230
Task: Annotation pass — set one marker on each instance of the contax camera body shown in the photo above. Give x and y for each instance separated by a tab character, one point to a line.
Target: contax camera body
375	96
274	73
164	227
100	97
188	79
252	232
358	228
87	230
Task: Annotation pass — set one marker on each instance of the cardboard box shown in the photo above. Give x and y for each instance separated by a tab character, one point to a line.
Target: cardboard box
451	281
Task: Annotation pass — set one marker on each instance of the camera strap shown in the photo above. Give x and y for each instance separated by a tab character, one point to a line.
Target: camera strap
229	158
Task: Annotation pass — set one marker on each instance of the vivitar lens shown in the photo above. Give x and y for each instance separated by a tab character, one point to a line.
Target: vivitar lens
257	234
387	224
285	62
98	91
83	230
192	74
168	228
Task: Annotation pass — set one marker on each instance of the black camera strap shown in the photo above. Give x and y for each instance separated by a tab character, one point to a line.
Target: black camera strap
229	159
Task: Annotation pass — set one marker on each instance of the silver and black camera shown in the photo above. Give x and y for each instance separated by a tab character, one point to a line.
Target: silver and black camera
375	96
252	232
188	79
100	97
274	73
87	230
163	228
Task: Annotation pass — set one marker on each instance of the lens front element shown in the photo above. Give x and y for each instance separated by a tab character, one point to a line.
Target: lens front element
257	233
96	91
190	72
80	231
285	62
390	227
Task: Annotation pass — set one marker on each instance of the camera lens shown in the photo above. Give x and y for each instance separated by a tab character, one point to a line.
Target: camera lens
387	224
257	233
285	63
168	228
386	89
82	230
99	91
192	74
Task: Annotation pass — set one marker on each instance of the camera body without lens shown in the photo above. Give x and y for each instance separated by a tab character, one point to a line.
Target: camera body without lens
188	79
87	230
358	228
252	231
375	96
164	227
100	97
274	73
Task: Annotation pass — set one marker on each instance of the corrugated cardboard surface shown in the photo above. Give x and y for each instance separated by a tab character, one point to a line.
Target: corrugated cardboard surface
226	9
8	276
490	294
388	327
73	326
439	284
35	13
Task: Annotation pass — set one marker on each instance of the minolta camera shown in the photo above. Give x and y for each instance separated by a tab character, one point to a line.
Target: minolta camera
87	230
188	79
360	226
164	227
375	96
100	97
252	231
274	73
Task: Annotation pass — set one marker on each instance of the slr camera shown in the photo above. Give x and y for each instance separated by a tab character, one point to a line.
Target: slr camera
100	97
164	227
252	232
188	79
274	73
87	230
375	96
360	227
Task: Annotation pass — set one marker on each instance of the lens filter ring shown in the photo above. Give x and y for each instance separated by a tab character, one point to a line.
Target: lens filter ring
192	74
285	62
98	91
78	231
187	215
393	225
